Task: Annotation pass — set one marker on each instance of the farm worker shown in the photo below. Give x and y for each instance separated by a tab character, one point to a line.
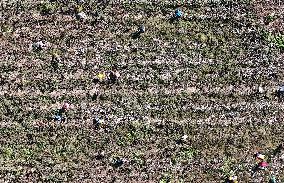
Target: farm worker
81	16
113	76
178	13
58	118
262	165
232	179
98	122
66	106
39	46
259	156
101	76
280	91
81	1
137	34
141	29
272	180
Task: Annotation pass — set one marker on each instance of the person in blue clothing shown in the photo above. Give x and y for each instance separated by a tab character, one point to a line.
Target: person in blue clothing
280	93
141	29
59	116
178	14
272	180
280	90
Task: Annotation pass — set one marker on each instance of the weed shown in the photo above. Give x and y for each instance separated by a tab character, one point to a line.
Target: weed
166	178
48	8
276	39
